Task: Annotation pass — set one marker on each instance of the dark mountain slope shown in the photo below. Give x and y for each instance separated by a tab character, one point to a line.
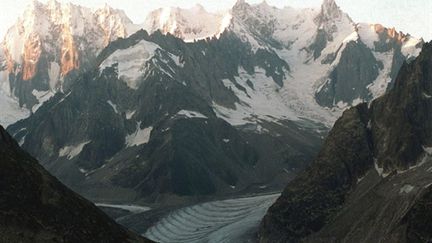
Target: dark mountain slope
163	136
371	181
36	207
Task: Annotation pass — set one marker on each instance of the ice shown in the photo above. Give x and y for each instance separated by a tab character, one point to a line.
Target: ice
131	208
217	221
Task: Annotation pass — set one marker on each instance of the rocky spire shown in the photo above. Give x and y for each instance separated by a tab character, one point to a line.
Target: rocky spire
329	10
240	5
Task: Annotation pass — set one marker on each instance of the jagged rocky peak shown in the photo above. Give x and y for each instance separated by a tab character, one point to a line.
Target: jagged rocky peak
390	32
330	10
331	18
240	5
54	40
115	23
46	26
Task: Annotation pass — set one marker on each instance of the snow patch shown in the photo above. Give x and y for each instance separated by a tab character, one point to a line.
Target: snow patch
406	189
409	48
139	137
352	37
131	62
72	151
54	75
191	114
130	114
114	106
42	97
379	86
368	34
4	82
11	112
380	170
428	150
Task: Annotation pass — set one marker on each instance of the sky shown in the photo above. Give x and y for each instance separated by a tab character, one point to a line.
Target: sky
410	16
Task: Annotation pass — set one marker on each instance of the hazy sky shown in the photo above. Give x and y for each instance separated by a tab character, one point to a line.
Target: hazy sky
409	16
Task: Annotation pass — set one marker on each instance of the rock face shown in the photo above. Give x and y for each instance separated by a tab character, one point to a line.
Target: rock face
371	181
36	207
357	69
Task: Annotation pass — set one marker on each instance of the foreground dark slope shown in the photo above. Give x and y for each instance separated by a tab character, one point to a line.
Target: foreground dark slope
371	181
36	207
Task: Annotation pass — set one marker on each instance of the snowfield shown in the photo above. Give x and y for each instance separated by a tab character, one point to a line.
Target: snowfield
10	110
131	62
233	220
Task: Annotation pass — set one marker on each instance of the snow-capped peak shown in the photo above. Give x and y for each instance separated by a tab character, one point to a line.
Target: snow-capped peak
63	30
189	24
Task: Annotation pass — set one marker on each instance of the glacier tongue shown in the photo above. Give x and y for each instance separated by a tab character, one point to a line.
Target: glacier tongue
219	221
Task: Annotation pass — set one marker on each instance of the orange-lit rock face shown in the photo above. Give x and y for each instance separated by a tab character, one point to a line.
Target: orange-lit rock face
391	33
69	54
9	61
31	55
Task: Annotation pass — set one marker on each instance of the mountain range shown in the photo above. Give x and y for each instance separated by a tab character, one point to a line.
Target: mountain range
192	106
155	115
